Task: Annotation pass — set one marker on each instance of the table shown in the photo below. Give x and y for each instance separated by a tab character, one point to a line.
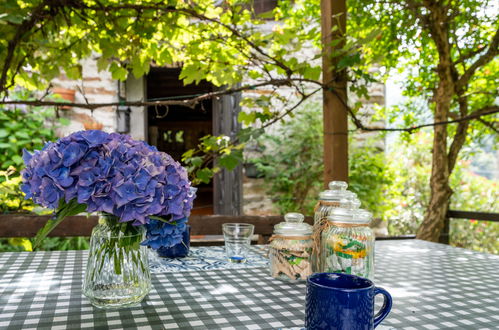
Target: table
433	286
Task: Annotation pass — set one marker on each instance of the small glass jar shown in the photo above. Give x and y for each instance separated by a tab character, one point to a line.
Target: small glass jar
347	243
290	249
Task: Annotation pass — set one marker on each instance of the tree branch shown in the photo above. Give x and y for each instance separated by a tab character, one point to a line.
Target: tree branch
488	56
485	111
24	27
289	110
489	125
187	102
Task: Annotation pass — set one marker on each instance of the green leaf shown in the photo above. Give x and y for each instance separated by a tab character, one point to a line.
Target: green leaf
17	159
253	74
102	63
64	121
246	118
22	134
204	175
196	161
313	73
118	72
74	72
191	73
230	161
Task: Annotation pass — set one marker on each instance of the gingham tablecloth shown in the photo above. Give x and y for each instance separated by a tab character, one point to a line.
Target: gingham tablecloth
433	287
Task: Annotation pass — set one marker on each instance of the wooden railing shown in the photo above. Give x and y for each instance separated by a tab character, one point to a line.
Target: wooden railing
17	225
24	225
454	214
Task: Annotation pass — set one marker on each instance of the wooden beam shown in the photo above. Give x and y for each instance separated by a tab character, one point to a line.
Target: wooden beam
484	216
333	14
23	225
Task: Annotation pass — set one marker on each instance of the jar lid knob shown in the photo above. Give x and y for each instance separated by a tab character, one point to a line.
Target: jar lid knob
294	217
338	185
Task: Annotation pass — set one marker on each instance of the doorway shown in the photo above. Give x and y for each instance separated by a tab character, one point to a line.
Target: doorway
176	129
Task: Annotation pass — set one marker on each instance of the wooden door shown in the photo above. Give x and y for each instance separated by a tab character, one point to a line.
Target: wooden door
228	188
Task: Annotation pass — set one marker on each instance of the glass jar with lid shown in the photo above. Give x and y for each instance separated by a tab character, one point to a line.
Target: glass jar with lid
336	196
290	248
347	243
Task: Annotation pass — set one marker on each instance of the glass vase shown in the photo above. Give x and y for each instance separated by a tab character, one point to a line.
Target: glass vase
117	273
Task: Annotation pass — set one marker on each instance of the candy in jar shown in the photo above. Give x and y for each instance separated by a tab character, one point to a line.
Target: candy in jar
290	248
347	243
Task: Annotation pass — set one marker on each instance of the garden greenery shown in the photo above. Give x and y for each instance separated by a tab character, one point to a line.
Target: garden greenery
409	193
447	50
293	166
394	188
24	128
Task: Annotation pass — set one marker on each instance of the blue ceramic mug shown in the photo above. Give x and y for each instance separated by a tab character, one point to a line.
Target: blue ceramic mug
342	301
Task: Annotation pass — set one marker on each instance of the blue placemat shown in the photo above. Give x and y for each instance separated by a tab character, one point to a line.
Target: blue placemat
207	258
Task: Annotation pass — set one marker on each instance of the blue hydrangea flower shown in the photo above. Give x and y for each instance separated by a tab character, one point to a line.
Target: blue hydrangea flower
163	234
110	173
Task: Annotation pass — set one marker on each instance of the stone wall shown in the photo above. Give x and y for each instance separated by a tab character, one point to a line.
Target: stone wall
255	199
94	87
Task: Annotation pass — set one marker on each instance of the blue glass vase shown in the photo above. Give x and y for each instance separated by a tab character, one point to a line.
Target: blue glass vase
179	250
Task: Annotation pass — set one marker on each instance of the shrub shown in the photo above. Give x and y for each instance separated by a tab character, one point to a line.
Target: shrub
24	128
30	129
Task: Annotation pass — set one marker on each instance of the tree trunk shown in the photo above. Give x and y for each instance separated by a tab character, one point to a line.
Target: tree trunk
436	211
441	192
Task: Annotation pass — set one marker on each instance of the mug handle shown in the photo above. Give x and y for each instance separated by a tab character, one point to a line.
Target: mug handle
387	306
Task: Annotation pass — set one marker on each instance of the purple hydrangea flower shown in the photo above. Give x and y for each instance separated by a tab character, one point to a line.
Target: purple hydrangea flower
110	173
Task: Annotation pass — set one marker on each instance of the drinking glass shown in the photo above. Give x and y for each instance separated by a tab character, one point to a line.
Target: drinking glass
237	237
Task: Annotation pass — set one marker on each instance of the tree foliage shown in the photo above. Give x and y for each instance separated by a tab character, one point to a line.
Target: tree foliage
448	52
222	44
450	46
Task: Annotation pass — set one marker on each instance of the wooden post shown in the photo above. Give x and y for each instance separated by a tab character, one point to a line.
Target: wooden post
333	13
445	233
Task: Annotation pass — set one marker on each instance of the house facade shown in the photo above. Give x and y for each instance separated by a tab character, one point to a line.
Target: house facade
174	129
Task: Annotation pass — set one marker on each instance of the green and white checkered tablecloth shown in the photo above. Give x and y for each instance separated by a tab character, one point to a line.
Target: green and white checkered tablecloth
433	287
